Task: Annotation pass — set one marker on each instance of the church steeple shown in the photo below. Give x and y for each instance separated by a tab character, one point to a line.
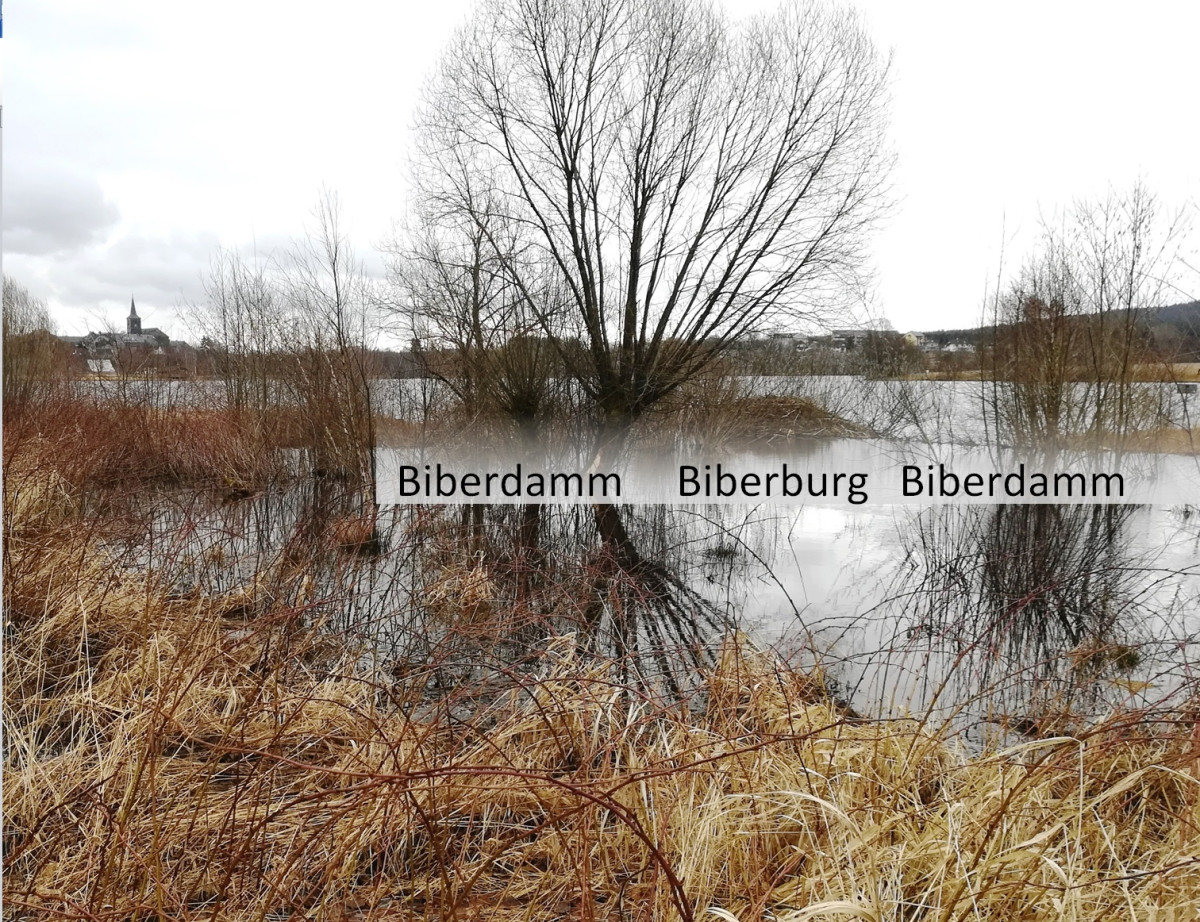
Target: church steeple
133	323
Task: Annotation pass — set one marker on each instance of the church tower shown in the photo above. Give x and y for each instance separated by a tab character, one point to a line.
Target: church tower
133	323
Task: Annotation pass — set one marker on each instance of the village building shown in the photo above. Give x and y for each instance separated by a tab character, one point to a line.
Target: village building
137	348
104	346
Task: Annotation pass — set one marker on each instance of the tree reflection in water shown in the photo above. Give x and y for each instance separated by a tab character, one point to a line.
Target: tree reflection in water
463	596
1012	609
1003	608
616	577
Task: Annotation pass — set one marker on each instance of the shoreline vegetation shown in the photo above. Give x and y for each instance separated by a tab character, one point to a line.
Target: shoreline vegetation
183	444
177	763
1156	373
178	753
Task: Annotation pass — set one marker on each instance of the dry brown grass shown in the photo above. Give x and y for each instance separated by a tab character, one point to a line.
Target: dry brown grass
164	761
722	412
766	419
1165	440
115	446
1168	372
399	433
1165	372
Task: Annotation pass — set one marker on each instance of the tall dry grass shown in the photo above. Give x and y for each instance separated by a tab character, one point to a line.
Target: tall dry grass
166	760
126	446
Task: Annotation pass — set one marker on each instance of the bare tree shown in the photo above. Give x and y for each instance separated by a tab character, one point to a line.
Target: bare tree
688	180
1073	332
292	332
474	329
653	183
32	362
327	337
239	320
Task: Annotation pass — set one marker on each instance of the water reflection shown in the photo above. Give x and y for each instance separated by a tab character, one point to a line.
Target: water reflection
992	611
1018	609
456	595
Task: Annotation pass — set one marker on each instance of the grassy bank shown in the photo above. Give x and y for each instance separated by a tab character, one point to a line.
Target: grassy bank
123	447
1162	373
177	755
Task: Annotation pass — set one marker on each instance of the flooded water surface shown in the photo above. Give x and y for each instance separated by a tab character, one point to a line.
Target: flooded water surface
981	613
976	613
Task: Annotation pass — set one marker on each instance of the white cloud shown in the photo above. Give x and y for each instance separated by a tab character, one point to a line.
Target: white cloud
136	120
52	208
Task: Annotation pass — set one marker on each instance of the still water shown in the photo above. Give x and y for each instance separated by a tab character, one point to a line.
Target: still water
975	614
979	614
959	412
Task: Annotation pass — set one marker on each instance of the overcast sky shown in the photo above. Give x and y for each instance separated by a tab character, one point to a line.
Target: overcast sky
140	135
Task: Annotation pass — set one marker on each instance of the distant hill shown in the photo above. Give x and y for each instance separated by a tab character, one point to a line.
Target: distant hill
1183	317
1175	326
